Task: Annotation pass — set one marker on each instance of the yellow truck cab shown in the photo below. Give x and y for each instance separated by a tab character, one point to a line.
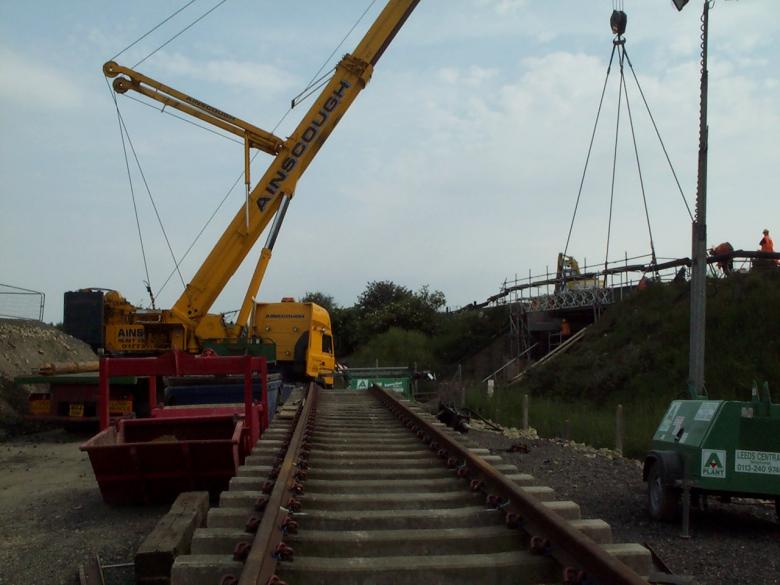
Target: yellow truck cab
303	337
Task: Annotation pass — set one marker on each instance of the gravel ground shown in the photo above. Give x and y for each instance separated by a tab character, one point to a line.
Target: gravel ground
52	516
734	544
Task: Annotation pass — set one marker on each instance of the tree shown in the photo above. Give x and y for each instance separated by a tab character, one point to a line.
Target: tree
325	301
380	293
395	347
384	304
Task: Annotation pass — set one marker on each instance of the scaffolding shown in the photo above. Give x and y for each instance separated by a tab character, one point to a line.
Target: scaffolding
595	286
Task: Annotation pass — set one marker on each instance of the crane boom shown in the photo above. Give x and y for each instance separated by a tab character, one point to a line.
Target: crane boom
188	325
350	77
291	157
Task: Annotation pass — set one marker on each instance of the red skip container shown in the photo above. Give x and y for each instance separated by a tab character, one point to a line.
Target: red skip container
152	460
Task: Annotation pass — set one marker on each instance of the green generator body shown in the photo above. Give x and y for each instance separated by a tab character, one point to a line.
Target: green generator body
719	447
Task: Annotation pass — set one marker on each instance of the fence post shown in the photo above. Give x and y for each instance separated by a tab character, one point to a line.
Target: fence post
525	412
461	386
619	430
415	389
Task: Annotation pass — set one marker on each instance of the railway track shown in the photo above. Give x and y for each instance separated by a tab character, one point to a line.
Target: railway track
351	487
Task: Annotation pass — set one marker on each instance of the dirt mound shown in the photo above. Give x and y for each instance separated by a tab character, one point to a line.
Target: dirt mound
640	347
24	347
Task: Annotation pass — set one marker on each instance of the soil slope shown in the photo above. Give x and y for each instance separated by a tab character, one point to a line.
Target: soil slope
24	347
640	347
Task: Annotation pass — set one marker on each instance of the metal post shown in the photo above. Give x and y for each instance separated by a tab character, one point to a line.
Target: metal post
415	391
103	393
686	501
264	393
152	393
525	412
249	421
699	238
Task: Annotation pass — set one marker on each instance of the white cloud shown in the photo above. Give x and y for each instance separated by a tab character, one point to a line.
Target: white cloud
501	7
33	84
486	179
471	76
457	166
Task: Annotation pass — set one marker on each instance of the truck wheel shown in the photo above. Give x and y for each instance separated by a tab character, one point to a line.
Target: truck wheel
662	500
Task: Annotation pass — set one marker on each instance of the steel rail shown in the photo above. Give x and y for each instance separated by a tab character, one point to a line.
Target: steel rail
550	534
261	561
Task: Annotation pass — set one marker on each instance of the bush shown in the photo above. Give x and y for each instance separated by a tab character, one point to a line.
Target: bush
395	347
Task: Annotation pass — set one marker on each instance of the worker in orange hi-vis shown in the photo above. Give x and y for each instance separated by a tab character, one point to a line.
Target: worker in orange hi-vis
766	243
565	329
727	266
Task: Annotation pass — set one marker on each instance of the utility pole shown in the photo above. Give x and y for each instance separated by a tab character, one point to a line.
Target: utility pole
696	386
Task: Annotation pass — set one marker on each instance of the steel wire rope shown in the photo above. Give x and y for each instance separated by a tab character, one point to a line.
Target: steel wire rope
151	198
614	161
182	31
132	191
312	88
151	30
639	167
219	206
314	80
333	52
590	149
208	221
183	119
658	133
123	127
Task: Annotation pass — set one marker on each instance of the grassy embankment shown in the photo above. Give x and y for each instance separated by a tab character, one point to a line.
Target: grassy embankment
637	355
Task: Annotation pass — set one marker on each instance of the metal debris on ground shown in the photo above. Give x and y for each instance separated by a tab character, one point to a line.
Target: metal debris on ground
518	448
453	417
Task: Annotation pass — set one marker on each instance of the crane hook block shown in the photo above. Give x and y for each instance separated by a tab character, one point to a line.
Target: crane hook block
618	22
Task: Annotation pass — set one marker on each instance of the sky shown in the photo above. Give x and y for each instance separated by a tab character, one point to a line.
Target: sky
457	167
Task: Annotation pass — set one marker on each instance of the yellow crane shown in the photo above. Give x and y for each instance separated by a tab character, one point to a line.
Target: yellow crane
301	331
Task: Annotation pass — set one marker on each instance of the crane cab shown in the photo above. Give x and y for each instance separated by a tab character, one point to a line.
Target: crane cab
303	337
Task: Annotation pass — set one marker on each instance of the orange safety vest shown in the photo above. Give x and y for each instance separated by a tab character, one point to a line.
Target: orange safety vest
767	245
